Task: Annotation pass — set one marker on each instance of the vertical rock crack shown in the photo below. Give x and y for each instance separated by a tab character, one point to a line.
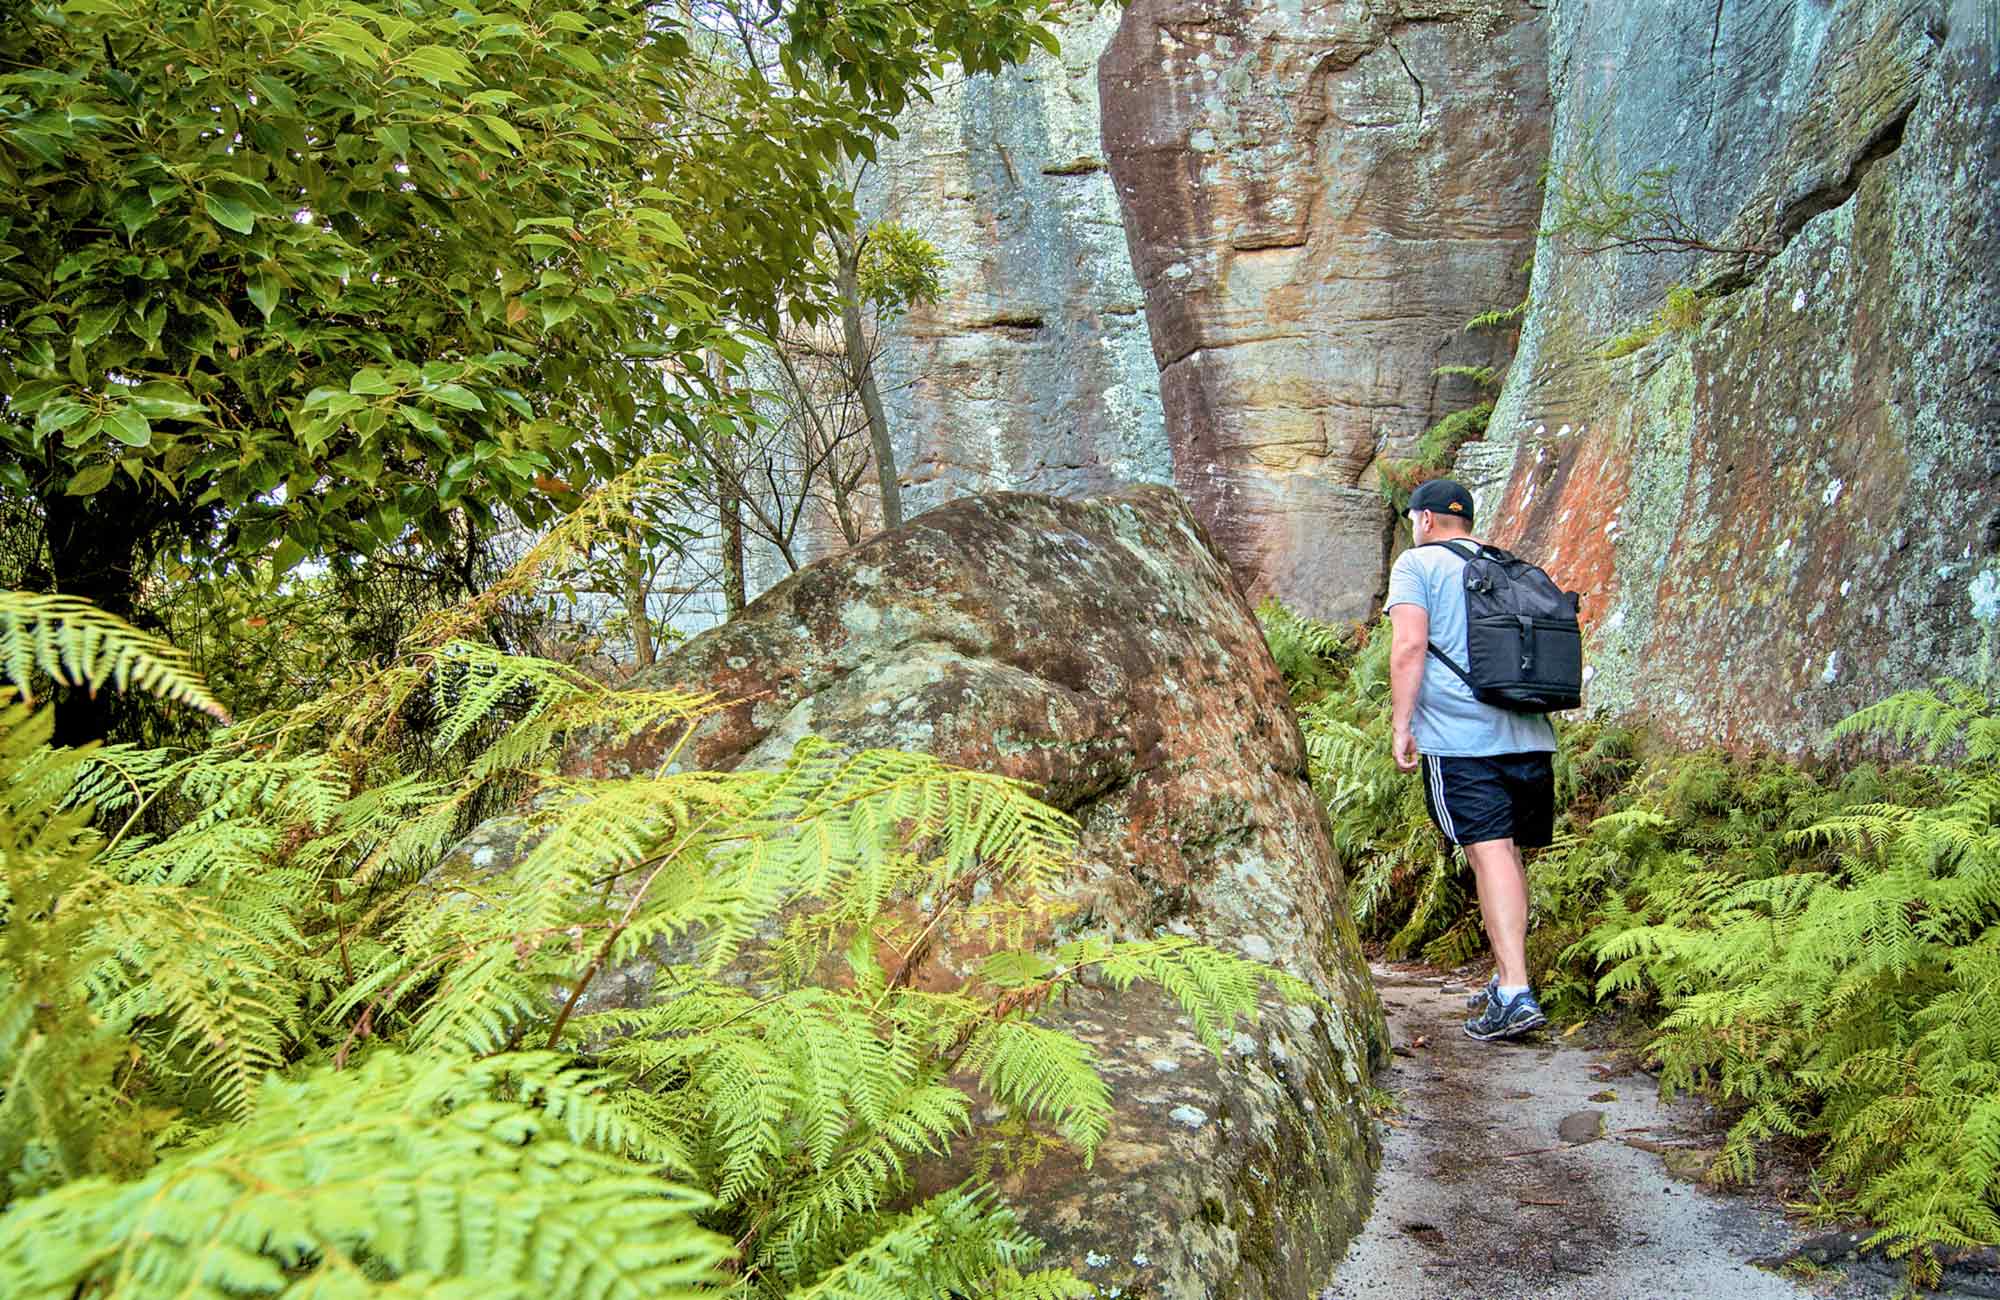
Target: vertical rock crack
1415	80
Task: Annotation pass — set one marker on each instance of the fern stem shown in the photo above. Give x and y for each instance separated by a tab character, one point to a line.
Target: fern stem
623	923
138	792
363	1026
961	890
340	933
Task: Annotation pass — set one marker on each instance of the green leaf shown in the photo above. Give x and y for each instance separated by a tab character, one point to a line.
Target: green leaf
57	416
82	435
456	395
501	127
264	289
32	396
288	556
151	325
370	382
230	212
276	93
579	58
92	478
129	426
164	399
334	401
93	323
421	420
438	65
41	144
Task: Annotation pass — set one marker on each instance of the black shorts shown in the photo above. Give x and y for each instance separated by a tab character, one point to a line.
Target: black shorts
1502	797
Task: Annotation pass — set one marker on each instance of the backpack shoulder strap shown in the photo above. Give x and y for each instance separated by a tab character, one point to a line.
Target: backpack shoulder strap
1443	658
1446	660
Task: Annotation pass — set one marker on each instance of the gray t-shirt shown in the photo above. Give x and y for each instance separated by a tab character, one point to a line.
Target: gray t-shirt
1449	722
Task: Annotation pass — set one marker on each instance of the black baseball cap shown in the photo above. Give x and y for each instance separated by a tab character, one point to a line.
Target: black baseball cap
1443	496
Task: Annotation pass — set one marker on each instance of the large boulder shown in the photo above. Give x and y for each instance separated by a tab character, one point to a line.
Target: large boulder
1318	198
1100	650
1776	515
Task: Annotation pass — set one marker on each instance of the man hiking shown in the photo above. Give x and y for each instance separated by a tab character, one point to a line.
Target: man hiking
1488	772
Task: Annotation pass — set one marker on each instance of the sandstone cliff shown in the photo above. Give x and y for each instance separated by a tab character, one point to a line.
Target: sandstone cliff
1318	198
1033	372
1775	513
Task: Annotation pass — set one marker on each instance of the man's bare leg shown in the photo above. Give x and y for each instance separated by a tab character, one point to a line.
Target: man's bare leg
1503	906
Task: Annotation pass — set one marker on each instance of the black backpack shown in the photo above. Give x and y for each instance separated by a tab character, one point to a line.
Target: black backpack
1523	643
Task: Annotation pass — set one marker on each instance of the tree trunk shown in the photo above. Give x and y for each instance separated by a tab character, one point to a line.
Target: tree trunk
94	553
861	367
729	504
843	511
635	604
732	549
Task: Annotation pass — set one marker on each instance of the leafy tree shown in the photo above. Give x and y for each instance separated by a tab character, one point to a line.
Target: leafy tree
305	278
880	271
812	425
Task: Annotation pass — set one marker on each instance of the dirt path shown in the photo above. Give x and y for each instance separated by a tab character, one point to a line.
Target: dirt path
1536	1170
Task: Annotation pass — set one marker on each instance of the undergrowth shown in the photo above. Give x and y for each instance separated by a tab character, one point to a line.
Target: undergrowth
1815	948
263	1032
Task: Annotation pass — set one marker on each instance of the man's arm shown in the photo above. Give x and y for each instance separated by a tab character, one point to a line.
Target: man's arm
1411	629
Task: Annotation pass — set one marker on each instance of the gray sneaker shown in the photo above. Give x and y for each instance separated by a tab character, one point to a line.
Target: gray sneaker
1518	1017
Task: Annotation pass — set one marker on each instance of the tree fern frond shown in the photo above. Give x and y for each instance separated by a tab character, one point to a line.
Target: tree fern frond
424	1170
77	644
1047	1073
1932	720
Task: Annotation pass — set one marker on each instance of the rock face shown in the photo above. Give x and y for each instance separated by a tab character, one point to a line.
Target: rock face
1778	512
1033	371
1318	199
1100	650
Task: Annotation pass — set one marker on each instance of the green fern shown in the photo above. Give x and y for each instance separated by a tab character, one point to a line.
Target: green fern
76	644
399	1178
1311	655
58	1115
1953	714
1484	376
1682	310
1499	316
262	1029
1838	983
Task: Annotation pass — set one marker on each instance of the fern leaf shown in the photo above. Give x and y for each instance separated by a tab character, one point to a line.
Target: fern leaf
413	1171
77	644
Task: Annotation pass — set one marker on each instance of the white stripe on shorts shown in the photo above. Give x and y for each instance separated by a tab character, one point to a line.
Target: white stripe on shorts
1434	770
